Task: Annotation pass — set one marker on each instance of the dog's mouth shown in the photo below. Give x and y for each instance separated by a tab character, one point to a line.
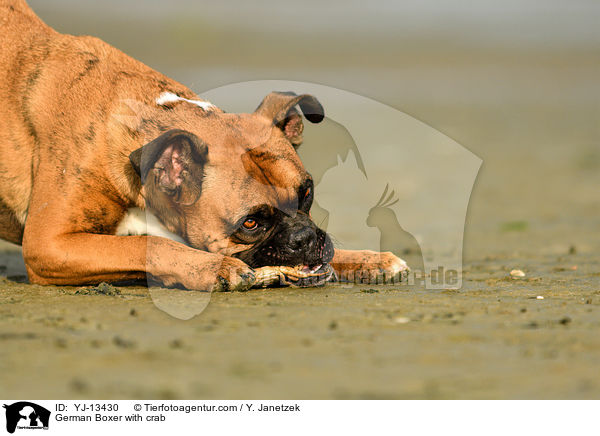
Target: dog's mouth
300	276
276	251
311	270
306	276
315	276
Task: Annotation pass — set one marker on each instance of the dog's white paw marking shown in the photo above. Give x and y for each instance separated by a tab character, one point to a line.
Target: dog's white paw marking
168	97
140	222
393	263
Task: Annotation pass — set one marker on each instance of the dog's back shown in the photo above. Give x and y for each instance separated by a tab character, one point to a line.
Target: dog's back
19	6
47	81
41	94
20	29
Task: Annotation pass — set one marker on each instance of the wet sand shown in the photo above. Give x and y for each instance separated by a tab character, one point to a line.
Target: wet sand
494	338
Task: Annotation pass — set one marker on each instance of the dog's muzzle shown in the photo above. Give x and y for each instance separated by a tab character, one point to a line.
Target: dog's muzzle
296	242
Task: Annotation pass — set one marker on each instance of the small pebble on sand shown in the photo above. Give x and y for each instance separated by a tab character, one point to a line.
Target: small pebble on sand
401	320
565	320
539	297
176	343
517	273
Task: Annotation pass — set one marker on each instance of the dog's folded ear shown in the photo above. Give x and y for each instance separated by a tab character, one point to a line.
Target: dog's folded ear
280	108
173	163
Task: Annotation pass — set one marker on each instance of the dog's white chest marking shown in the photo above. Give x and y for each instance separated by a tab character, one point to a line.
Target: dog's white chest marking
168	97
140	222
22	217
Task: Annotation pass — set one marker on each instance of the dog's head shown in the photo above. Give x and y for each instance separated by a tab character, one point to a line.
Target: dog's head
234	184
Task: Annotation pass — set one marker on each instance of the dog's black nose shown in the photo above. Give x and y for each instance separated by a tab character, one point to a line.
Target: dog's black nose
304	238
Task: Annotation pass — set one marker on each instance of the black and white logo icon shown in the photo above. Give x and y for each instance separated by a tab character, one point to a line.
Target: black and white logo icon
24	415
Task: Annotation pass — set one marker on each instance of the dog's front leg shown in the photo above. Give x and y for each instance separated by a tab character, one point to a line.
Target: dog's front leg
366	266
81	258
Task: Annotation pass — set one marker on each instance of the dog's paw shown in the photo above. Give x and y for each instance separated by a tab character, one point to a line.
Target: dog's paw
234	275
392	266
386	268
370	267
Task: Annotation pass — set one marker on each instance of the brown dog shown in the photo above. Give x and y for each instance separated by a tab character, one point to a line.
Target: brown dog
91	137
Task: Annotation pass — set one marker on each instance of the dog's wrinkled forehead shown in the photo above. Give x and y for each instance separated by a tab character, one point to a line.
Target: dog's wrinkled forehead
252	179
204	171
254	160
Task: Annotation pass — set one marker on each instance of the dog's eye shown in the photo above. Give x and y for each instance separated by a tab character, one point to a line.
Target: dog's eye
250	224
305	196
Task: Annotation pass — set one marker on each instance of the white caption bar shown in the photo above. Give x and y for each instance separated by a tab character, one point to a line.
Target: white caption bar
298	417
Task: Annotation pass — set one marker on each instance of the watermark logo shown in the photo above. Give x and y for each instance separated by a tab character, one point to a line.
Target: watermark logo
390	191
25	415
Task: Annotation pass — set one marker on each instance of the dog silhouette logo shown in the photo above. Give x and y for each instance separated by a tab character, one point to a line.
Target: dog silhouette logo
26	415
